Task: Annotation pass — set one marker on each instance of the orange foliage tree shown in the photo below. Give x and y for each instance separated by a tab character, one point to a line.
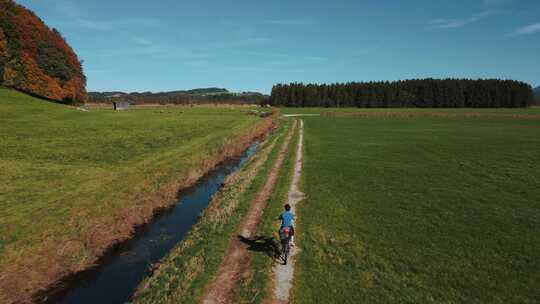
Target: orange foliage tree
36	59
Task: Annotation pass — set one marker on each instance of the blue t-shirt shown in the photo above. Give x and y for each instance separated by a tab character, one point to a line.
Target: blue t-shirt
286	219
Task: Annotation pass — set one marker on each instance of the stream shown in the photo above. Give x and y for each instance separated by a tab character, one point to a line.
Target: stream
114	281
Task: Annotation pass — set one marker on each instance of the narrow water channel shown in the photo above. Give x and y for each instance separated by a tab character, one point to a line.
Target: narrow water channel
115	280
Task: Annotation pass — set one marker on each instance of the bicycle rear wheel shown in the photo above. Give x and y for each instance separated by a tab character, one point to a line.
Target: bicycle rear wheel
285	251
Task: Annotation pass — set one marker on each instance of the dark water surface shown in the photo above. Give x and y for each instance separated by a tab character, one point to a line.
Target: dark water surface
115	280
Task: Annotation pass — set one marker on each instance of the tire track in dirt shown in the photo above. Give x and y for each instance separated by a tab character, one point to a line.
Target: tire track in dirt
284	274
236	260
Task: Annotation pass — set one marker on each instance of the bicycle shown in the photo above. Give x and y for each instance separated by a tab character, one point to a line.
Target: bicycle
285	237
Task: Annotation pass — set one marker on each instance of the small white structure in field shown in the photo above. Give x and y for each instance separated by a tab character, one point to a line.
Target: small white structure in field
120	105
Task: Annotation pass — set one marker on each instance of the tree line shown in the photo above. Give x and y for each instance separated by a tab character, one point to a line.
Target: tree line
422	93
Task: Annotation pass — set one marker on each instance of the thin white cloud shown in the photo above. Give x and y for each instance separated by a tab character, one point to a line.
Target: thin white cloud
281	56
457	23
117	25
244	32
74	14
196	63
263	69
369	49
191	34
497	3
240	43
158	51
241	37
314	58
290	22
490	8
92	25
251	69
263	54
529	29
142	41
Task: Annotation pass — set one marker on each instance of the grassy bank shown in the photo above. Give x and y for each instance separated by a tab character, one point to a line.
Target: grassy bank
74	182
423	210
183	275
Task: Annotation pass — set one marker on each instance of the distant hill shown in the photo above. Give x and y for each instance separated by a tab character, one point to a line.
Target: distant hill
117	94
194	96
36	59
206	91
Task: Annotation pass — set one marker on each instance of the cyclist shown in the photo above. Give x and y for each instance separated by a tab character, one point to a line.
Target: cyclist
287	219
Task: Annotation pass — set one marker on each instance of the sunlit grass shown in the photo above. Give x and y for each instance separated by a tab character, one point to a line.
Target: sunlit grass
455	111
64	171
424	210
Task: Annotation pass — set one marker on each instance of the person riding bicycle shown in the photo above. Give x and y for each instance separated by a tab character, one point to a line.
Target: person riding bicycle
287	219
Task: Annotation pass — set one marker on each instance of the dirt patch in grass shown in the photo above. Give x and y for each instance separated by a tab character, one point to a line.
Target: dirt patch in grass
235	264
27	279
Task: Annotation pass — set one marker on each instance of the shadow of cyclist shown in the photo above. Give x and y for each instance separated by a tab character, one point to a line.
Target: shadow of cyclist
266	245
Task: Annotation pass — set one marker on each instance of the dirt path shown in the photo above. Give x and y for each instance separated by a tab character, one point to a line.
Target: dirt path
284	274
300	115
236	260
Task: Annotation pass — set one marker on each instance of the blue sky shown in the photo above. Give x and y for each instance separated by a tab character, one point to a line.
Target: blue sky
135	45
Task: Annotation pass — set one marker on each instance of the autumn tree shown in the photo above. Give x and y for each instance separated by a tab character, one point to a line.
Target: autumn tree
36	59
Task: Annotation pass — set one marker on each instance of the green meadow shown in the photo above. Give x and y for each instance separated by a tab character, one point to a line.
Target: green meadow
66	173
498	112
403	205
420	209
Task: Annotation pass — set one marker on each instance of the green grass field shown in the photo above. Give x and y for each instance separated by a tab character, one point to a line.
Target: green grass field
66	173
403	205
423	210
453	111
